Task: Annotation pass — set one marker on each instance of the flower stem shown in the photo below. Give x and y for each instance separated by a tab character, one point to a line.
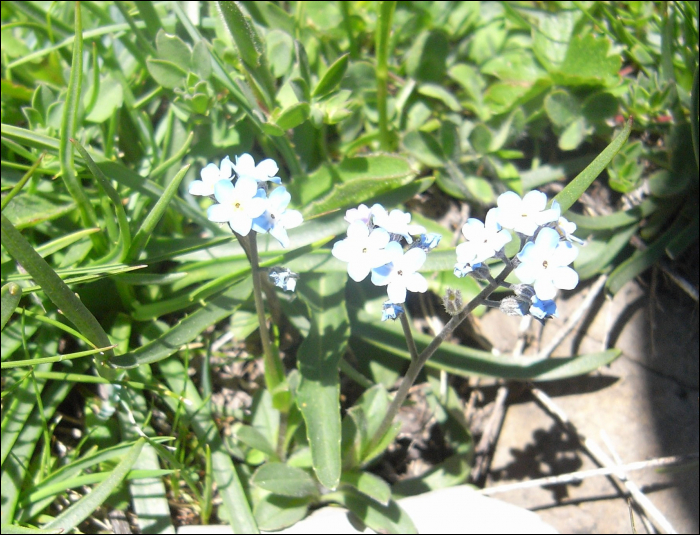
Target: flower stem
419	361
274	370
386	14
409	337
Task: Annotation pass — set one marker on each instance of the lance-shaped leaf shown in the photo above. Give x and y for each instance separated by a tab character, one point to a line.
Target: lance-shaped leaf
318	395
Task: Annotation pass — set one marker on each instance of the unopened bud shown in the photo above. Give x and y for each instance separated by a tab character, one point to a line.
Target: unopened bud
513	306
481	272
525	291
453	301
391	311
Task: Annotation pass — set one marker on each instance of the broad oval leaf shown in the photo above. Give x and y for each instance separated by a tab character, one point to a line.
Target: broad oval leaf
279	478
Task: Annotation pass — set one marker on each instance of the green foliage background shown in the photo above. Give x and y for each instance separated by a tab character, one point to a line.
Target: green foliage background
110	109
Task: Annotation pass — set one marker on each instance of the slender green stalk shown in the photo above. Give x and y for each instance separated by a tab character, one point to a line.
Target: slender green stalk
410	342
386	14
274	371
418	362
22	181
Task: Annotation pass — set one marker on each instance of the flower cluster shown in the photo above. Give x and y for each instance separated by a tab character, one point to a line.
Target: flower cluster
244	203
543	262
375	244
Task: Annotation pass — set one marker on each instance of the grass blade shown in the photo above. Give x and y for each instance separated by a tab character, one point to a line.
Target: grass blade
10	294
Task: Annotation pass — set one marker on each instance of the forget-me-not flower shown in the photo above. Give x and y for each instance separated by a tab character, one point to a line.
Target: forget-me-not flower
265	171
544	264
396	222
428	242
361	213
239	204
524	215
542	310
277	219
211	174
362	250
391	311
483	239
401	274
564	227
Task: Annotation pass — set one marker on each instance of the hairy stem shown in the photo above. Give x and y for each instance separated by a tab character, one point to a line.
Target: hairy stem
418	362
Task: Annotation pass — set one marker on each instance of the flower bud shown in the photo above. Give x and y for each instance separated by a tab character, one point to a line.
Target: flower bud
481	272
391	311
453	301
526	291
513	306
283	278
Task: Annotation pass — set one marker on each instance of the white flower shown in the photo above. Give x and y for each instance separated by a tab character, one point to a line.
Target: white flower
240	204
564	227
395	222
483	240
265	171
361	213
362	250
401	273
277	219
544	264
524	215
211	174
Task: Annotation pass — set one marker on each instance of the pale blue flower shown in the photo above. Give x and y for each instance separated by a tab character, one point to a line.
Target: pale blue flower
361	213
391	311
428	242
483	239
239	204
564	227
277	219
265	171
524	215
362	250
542	310
395	222
211	174
283	278
544	264
401	273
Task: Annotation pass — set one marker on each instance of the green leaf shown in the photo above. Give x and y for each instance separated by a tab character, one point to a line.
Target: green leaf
331	78
382	519
318	394
350	182
617	219
149	223
293	116
69	126
174	50
83	508
426	59
466	362
571	193
274	512
425	148
597	256
29	210
587	62
57	290
279	478
280	52
10	294
242	31
166	73
561	107
452	471
368	484
188	328
573	135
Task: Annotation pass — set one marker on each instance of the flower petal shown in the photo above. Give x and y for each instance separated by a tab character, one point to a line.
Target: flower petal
197	187
280	234
396	292
358	270
241	224
564	278
210	174
564	254
358	230
343	250
466	253
378	238
255	207
534	201
412	260
224	191
245	164
380	274
219	213
415	282
292	218
544	289
226	169
279	199
267	168
527	272
246	187
547	240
